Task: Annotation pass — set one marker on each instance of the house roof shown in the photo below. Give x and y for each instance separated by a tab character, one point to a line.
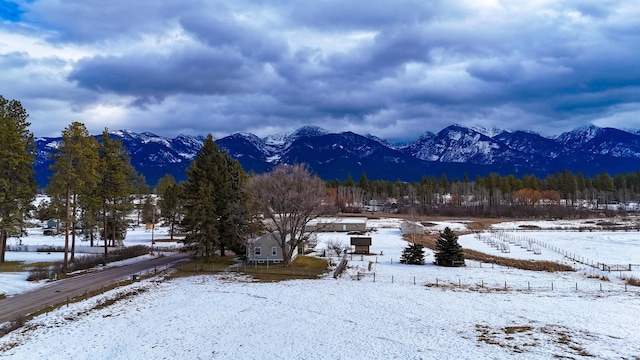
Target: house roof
361	241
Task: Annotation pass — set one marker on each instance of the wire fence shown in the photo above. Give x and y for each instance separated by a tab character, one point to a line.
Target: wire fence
501	240
492	285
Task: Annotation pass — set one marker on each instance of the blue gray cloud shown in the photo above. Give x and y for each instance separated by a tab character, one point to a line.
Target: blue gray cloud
391	68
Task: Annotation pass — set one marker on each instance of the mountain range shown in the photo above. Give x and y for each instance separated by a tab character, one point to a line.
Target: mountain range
455	151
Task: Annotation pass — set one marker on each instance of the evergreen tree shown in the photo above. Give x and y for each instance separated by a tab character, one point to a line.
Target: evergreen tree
115	188
17	182
209	195
448	251
348	182
149	212
170	202
142	190
237	214
75	174
413	254
363	182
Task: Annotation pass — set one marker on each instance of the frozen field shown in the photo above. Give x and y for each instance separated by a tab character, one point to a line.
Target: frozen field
404	312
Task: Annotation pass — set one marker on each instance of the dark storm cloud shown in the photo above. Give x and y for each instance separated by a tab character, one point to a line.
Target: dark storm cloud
403	66
152	77
224	33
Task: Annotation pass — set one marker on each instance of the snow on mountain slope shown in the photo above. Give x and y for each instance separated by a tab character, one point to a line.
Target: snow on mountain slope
454	150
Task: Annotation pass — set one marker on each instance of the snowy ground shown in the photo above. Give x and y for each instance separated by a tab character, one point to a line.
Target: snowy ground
404	312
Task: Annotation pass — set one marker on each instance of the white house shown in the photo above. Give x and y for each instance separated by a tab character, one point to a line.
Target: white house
266	249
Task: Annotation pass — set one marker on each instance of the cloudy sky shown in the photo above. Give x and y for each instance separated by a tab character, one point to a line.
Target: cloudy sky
393	68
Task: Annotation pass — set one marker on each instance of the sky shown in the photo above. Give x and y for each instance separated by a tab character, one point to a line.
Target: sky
394	69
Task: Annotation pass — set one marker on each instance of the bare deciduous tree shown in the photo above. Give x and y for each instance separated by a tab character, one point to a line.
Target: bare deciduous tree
336	246
288	197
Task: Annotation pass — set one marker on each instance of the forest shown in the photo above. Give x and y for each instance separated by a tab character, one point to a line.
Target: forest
559	195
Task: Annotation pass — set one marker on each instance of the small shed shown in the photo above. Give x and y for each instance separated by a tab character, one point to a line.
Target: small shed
361	243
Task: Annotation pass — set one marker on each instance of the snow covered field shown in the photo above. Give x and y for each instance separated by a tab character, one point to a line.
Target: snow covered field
404	312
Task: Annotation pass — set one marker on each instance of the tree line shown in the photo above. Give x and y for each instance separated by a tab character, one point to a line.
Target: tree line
560	194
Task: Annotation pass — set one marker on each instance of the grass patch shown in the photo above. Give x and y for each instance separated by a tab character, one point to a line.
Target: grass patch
303	267
516	329
200	266
599	277
630	280
12	266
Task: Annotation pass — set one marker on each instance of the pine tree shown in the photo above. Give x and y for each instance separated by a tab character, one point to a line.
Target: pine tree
236	211
413	254
116	185
170	201
448	251
149	212
75	174
17	182
209	197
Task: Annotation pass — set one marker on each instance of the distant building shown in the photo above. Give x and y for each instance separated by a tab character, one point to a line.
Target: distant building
51	228
343	224
412	228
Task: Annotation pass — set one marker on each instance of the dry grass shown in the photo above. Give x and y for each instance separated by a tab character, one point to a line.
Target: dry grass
303	267
630	280
12	266
599	277
516	329
429	241
213	265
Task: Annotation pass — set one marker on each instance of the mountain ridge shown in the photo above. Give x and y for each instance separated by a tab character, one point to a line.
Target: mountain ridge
455	151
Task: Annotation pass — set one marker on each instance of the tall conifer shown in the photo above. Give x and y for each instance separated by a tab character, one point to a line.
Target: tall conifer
17	182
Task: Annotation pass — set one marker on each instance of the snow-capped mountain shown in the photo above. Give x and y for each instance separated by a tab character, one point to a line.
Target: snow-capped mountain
454	151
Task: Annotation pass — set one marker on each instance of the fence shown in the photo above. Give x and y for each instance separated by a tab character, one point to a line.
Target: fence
535	245
483	285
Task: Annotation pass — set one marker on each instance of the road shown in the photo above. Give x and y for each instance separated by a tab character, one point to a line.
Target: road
13	307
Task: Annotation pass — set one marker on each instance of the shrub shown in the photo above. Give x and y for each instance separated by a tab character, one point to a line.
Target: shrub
413	254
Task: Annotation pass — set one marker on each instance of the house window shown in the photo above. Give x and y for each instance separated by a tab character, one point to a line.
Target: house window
257	251
274	251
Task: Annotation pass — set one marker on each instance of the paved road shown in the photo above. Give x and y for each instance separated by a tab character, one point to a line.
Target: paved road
11	308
